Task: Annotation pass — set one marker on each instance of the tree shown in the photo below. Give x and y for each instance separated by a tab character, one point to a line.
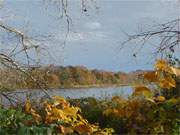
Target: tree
26	45
167	34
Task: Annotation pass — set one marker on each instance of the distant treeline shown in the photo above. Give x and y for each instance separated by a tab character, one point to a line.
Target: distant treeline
65	77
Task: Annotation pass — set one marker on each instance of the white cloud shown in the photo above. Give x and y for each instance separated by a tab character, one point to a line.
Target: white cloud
89	36
93	25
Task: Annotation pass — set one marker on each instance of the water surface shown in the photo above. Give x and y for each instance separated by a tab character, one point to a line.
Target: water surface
98	93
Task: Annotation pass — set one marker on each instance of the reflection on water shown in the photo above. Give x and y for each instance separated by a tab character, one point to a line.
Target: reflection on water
93	92
99	93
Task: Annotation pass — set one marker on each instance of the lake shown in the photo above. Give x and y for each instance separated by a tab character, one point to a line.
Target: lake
98	93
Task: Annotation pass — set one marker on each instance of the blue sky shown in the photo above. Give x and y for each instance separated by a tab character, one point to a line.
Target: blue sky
95	37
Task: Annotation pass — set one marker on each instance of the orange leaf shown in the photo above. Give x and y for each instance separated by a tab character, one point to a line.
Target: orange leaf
83	129
65	130
151	76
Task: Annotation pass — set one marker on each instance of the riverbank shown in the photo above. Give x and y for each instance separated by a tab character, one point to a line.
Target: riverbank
94	86
75	87
66	77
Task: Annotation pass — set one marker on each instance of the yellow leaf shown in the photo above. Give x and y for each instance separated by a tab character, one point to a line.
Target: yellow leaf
142	91
57	113
150	99
160	99
71	111
167	83
161	65
27	106
30	110
175	71
36	117
60	101
84	121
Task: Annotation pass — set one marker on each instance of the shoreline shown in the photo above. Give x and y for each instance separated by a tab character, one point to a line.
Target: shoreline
94	86
78	87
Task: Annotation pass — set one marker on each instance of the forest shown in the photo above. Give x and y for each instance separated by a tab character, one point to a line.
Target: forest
68	77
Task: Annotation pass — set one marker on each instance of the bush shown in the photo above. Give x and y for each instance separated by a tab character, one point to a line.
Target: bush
132	116
55	116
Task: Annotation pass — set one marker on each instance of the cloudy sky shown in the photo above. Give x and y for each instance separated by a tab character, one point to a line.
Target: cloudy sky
95	37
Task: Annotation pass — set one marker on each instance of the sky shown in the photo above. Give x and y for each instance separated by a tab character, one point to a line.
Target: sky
95	37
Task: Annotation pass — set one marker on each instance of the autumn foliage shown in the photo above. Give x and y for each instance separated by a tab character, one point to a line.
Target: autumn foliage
64	77
151	109
66	118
